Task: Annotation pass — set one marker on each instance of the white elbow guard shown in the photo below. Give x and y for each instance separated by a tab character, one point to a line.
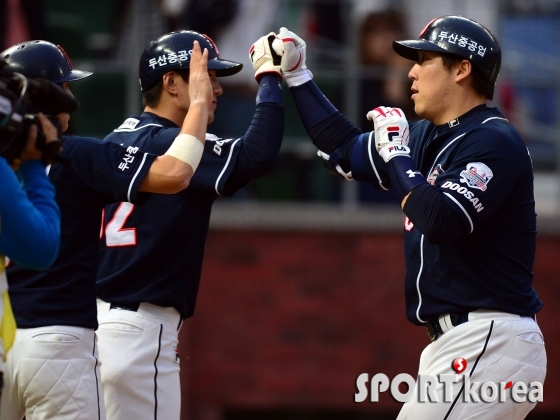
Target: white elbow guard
187	149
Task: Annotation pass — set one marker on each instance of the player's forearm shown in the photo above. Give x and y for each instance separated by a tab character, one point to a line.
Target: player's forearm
431	215
173	171
325	125
196	120
30	220
167	175
261	143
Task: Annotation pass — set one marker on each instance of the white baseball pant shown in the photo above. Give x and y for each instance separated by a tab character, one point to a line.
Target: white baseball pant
140	364
52	373
499	348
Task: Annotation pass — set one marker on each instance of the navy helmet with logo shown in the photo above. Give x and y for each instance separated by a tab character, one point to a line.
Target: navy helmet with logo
460	36
172	52
42	59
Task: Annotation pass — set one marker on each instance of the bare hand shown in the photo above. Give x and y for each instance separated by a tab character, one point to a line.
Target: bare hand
200	88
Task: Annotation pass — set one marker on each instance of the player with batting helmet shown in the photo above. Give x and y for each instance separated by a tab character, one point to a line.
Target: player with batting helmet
464	179
52	370
151	255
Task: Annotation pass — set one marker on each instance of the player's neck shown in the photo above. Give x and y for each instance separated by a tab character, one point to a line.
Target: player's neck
458	105
168	111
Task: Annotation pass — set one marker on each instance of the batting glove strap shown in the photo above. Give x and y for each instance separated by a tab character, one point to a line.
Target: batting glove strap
404	175
298	78
392	150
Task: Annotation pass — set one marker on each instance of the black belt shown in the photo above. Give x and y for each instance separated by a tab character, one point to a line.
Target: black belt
125	306
435	329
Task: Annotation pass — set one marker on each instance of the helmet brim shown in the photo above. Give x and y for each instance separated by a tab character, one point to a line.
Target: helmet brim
409	49
224	67
74	75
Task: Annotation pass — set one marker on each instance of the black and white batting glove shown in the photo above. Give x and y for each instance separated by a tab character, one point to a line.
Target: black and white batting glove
391	132
264	58
292	49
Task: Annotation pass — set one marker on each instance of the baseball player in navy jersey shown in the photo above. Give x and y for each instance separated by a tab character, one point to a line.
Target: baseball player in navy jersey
52	370
151	255
464	179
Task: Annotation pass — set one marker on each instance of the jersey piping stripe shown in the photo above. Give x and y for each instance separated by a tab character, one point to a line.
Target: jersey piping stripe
96	380
134	177
373	164
472	371
462	208
155	375
443	150
130	130
495	118
225	166
418	279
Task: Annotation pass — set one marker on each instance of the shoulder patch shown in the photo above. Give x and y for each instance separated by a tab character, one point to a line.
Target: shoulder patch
129	124
477	175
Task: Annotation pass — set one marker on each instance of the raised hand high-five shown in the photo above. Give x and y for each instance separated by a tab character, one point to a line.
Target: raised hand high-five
264	58
292	49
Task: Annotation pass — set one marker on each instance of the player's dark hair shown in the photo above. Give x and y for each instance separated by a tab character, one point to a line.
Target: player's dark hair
480	83
151	96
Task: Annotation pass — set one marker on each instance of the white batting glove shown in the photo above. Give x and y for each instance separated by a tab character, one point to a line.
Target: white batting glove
292	49
264	58
391	132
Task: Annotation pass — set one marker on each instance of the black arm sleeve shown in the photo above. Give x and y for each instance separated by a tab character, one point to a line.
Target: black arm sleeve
325	125
336	130
432	216
261	143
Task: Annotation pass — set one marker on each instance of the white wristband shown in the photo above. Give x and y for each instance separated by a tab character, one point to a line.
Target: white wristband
187	149
298	77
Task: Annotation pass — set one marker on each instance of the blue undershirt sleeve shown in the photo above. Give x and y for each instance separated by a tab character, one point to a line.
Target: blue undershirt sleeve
343	145
261	143
29	216
328	129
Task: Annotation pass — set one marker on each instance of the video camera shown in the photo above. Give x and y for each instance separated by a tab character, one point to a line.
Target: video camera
20	101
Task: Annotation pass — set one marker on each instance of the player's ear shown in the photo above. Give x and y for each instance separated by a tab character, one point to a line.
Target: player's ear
169	84
462	70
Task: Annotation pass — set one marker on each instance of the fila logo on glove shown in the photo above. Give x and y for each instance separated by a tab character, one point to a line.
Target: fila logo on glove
398	148
393	132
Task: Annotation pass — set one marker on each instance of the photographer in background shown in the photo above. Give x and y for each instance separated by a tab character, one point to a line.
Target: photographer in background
55	309
29	219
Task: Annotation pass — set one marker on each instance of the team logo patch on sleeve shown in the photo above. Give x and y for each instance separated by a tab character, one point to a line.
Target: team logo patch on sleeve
477	175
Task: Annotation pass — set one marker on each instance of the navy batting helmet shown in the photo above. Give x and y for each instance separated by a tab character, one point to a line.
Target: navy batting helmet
172	52
460	36
42	59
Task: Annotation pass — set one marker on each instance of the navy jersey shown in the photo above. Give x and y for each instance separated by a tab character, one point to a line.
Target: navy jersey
483	169
92	174
154	252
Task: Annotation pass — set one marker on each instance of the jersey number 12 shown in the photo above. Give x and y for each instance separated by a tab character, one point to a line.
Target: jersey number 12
115	234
